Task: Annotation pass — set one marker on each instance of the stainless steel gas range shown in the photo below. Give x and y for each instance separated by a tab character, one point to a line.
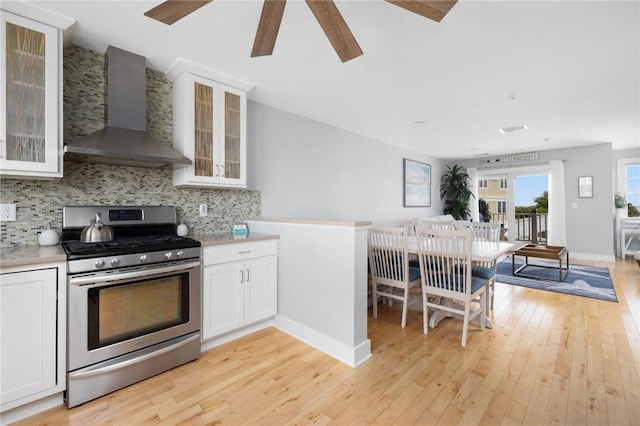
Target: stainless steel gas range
133	302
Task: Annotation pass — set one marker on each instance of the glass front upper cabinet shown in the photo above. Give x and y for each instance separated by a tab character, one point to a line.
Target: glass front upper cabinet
30	126
209	128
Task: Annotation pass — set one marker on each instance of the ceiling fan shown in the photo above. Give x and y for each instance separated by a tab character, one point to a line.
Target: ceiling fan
325	12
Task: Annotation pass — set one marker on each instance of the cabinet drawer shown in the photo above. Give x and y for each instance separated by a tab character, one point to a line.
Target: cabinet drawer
240	251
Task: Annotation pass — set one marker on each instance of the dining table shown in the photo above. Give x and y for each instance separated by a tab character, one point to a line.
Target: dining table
481	252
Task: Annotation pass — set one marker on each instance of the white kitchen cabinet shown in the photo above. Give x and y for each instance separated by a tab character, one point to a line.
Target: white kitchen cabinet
239	284
32	333
209	128
31	142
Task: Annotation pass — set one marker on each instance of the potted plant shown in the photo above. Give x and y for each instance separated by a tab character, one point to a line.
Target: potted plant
621	205
485	213
454	190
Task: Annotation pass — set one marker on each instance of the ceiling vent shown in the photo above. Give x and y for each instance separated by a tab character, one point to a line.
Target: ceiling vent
514	158
513	129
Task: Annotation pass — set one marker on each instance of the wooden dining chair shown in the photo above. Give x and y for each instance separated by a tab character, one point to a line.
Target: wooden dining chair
452	281
484	231
400	223
389	267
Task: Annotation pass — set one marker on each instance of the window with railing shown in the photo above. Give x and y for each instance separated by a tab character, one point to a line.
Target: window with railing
632	172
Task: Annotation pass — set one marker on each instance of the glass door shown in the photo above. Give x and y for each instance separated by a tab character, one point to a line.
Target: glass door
232	150
25	94
531	193
30	83
203	130
231	135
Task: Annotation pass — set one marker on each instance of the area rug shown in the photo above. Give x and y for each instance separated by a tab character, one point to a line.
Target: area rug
586	281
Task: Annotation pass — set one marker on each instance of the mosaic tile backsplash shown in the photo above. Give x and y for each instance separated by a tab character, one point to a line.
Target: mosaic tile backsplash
41	201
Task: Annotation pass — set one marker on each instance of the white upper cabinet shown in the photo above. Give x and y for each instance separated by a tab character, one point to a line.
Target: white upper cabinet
31	143
209	127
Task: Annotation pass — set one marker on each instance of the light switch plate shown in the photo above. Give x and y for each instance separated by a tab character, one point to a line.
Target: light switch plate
7	212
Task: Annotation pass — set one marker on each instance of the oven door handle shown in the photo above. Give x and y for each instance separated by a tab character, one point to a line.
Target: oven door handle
124	276
117	366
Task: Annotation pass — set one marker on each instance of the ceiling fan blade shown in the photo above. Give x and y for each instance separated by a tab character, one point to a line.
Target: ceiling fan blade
432	9
337	31
173	10
268	27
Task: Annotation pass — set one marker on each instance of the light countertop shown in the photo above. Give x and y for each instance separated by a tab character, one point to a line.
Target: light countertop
219	238
322	222
33	255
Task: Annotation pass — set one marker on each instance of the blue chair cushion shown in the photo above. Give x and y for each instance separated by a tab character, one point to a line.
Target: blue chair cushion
476	283
414	273
415	263
482	272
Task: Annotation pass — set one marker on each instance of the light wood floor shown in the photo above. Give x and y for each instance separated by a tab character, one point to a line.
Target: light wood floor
550	359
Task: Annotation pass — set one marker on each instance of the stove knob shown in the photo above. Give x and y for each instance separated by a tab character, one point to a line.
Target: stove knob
115	262
99	263
180	254
144	258
168	255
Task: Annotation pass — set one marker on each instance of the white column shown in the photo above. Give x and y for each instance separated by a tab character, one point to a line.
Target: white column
557	205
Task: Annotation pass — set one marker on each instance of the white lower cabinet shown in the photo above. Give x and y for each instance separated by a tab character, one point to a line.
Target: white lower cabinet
239	286
32	327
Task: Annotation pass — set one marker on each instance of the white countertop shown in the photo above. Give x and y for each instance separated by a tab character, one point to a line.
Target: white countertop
353	223
33	255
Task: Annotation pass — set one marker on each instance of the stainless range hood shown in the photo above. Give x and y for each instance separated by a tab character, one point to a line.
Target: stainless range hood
124	140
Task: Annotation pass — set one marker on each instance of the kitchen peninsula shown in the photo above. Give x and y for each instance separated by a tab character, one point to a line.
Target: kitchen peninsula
322	284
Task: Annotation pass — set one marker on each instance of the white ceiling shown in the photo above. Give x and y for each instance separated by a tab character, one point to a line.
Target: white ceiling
569	70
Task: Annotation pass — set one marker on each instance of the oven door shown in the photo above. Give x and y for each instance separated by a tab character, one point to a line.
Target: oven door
112	313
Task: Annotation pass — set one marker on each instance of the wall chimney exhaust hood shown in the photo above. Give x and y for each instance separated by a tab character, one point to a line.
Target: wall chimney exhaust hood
124	139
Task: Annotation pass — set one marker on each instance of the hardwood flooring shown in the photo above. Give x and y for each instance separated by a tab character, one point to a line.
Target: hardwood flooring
550	359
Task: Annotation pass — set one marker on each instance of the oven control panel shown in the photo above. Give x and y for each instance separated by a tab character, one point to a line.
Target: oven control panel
122	261
125	214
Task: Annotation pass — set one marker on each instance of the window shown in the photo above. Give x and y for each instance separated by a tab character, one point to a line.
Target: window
629	180
483	184
502	207
633	184
503	183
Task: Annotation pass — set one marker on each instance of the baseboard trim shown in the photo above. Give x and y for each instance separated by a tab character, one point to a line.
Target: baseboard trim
590	256
233	335
29	409
350	355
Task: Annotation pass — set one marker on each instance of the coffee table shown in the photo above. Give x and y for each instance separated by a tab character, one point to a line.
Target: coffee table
541	252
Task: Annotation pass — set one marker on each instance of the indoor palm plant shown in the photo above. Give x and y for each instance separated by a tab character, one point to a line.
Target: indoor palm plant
454	190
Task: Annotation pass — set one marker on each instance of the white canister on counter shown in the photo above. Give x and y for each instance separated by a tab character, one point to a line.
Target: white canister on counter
48	237
183	230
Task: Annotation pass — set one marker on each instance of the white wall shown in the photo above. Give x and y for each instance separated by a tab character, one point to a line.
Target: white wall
307	169
322	285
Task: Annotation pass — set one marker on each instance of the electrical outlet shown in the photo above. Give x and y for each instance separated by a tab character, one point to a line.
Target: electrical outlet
203	210
7	212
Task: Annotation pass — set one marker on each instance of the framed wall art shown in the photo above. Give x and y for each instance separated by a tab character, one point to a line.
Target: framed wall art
585	187
417	184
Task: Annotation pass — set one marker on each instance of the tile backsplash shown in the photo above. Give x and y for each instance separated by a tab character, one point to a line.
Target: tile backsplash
40	201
